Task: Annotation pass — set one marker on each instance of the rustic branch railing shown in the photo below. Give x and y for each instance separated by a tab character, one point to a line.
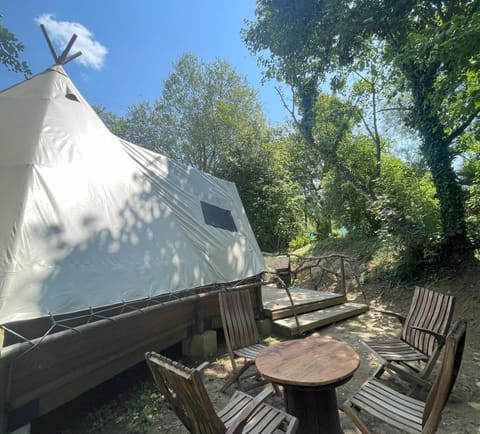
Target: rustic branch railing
323	272
322	263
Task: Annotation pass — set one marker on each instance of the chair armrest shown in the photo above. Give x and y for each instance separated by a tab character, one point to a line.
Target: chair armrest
398	316
398	369
242	418
202	366
438	337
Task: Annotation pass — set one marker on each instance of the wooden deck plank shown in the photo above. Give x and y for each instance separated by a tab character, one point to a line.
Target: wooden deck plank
308	321
277	304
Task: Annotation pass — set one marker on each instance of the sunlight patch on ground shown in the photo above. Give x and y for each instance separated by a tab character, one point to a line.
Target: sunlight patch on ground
474	405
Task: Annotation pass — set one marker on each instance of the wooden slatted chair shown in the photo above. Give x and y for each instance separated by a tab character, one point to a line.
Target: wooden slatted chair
404	412
415	353
184	390
240	330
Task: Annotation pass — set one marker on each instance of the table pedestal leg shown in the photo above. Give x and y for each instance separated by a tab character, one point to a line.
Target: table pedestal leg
316	410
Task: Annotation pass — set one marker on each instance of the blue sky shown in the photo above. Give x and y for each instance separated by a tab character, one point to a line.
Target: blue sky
130	46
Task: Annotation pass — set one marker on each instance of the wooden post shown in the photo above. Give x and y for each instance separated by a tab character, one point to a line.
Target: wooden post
4	384
259	301
200	343
199	323
7	358
344	283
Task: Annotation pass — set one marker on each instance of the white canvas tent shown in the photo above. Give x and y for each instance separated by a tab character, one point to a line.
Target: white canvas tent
90	220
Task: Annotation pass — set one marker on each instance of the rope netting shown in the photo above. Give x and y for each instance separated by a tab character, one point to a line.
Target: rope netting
56	323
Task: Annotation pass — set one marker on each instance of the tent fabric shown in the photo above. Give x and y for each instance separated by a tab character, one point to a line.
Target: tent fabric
88	220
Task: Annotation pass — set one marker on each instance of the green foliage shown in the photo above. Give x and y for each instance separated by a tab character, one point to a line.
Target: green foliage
348	168
10	49
359	247
432	51
409	212
208	114
473	201
299	241
269	192
334	122
344	206
116	124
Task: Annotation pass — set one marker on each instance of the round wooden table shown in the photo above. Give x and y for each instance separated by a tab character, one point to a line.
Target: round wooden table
310	370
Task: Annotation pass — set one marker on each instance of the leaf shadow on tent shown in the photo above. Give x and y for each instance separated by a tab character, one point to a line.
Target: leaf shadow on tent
158	246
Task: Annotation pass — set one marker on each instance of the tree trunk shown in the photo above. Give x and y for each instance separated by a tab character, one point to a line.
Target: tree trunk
436	151
450	195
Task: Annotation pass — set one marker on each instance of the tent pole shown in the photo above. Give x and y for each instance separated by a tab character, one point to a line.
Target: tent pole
64	57
49	42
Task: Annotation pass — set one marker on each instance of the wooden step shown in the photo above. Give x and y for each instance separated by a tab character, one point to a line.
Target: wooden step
287	327
277	305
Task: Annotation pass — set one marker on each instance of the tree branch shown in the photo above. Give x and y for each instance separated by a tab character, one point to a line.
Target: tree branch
344	170
292	114
463	127
391	109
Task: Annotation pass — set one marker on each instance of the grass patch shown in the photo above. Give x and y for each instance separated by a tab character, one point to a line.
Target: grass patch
361	248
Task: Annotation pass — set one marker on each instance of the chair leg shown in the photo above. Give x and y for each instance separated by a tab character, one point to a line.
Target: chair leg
236	375
277	390
259	383
379	372
350	411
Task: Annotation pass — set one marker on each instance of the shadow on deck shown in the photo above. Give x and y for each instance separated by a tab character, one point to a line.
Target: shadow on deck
313	309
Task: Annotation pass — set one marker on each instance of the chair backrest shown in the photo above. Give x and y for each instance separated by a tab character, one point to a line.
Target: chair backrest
446	377
237	319
430	310
183	388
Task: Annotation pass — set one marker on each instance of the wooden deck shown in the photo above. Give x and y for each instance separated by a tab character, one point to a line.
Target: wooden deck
314	309
308	321
277	303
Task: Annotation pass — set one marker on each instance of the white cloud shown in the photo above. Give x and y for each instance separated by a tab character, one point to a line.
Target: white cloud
60	32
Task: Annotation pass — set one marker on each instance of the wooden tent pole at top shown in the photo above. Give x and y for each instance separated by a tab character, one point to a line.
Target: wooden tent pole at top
64	57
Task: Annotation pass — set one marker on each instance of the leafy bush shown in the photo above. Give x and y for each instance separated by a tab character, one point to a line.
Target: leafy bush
299	241
410	216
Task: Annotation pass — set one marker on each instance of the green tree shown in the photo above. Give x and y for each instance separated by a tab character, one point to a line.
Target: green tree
270	193
205	111
10	49
342	203
432	49
471	179
140	125
410	215
344	165
115	123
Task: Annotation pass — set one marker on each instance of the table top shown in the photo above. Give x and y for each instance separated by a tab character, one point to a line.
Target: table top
309	362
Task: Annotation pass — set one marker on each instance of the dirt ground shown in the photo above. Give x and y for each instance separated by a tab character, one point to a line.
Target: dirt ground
461	414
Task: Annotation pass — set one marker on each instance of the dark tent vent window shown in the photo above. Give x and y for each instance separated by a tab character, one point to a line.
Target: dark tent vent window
72	97
218	217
